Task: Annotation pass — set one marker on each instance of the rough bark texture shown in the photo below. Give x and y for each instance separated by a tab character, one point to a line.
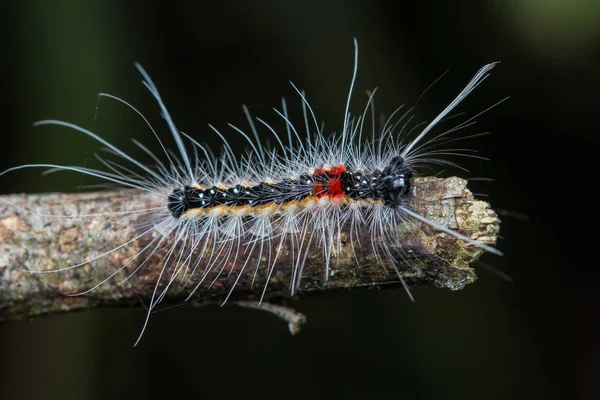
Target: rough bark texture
35	243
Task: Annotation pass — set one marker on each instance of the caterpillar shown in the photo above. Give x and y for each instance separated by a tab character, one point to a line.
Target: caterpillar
216	213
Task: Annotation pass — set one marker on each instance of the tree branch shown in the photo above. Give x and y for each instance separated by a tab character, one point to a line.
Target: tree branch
35	243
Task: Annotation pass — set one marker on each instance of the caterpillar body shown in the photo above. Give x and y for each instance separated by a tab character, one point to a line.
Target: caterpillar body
215	211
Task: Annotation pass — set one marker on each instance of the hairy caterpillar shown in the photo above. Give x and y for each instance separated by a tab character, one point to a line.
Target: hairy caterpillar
213	212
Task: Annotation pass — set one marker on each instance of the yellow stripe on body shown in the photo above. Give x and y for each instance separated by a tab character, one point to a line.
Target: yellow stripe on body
290	207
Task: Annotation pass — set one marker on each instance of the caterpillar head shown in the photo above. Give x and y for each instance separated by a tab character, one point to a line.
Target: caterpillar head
395	182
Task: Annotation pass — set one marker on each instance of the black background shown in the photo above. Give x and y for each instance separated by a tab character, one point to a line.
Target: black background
536	336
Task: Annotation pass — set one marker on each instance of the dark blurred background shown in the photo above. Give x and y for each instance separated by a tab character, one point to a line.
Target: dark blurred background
536	336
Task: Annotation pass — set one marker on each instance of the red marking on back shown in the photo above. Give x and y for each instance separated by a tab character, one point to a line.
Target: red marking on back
334	188
318	189
334	185
338	170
